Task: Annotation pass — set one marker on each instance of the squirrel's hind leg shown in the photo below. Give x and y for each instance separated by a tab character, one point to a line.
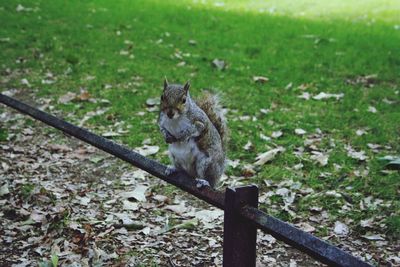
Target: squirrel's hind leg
208	172
202	164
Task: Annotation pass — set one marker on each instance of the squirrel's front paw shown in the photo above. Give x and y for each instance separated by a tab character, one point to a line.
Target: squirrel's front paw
170	170
200	183
170	139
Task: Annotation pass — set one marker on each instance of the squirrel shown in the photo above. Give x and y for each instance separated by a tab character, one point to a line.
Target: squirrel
196	132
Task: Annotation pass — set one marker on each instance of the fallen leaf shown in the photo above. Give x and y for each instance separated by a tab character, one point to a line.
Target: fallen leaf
68	97
46	81
25	82
289	86
123	52
233	163
260	79
373	237
129	205
276	134
367	223
146	230
323	95
319	157
248	145
147	150
10	92
152	109
387	101
152	101
219	64
244	118
268	156
372	109
110	134
306	227
5	167
59	148
293	262
96	159
248	170
4	190
20	8
265	110
298	166
139	193
287	195
84	201
359	155
341	229
394	259
299	131
161	198
179	209
209	215
83	96
305	96
37	216
264	137
139	174
361	132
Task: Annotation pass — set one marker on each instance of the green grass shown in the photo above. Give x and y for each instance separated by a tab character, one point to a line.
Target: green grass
3	134
317	45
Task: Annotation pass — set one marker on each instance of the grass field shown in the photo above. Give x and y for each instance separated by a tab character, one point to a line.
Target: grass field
120	51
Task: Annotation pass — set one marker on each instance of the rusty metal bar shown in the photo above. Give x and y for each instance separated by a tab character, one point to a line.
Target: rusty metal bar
309	244
240	236
289	234
215	198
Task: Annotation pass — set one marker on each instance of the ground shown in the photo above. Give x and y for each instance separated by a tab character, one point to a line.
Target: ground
312	99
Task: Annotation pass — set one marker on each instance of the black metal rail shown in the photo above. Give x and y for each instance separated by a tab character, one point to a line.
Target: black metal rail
244	207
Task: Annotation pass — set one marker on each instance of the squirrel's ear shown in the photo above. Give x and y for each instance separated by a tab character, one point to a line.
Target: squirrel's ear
186	86
165	83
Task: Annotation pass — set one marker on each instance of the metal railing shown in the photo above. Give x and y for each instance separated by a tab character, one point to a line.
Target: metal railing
242	218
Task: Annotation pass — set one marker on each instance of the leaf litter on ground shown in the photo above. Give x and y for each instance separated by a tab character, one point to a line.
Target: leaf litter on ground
140	211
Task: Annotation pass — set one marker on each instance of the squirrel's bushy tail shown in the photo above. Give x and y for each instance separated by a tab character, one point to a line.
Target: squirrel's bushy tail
209	103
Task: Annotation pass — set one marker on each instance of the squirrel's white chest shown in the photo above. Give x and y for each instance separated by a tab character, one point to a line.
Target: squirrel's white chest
185	155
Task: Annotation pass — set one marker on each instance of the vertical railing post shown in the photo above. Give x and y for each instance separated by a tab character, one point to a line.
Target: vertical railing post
240	235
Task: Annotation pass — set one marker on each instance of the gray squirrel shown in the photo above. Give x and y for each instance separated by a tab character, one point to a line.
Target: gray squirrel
196	133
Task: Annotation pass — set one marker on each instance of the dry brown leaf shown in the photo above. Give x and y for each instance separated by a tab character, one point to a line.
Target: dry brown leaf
83	96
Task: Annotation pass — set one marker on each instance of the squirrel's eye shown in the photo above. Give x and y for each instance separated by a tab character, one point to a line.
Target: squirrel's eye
184	101
162	97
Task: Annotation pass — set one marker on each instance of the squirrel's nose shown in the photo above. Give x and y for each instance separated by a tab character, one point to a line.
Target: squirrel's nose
170	114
